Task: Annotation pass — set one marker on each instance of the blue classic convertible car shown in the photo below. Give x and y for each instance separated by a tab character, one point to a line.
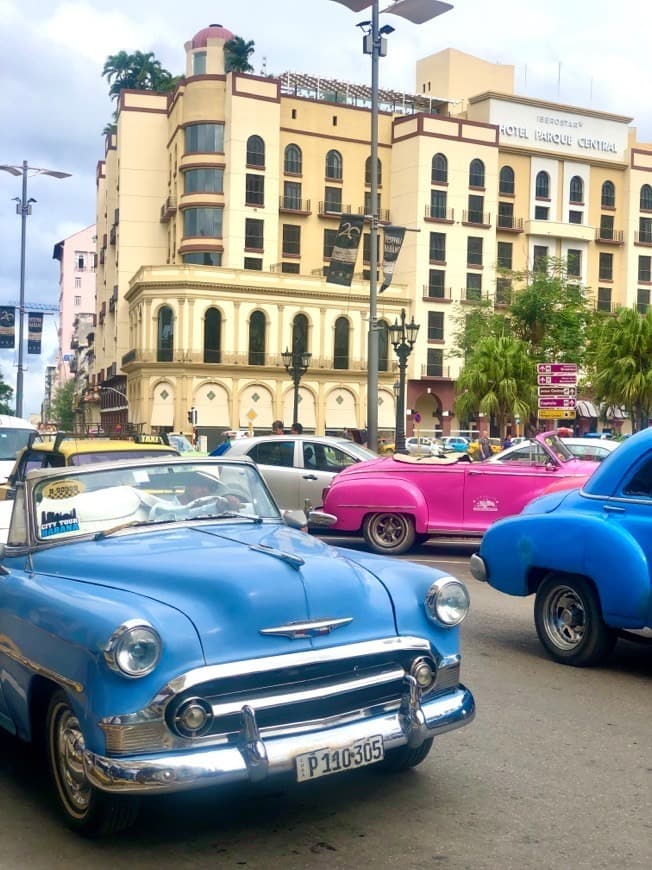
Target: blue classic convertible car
164	627
586	556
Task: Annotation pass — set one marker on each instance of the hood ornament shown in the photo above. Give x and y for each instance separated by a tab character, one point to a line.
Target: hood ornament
301	629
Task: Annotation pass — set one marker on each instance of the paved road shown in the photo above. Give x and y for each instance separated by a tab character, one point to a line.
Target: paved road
556	771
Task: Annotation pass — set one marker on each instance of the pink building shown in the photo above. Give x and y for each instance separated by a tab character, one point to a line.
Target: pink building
76	256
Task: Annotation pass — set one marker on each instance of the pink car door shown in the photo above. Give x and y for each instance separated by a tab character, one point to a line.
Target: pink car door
443	489
496	491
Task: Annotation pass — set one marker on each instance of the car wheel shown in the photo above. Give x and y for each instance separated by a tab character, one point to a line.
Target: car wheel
389	533
405	757
569	621
86	809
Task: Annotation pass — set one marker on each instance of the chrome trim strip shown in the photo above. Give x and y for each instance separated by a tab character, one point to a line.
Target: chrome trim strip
9	648
313	628
255	759
389	675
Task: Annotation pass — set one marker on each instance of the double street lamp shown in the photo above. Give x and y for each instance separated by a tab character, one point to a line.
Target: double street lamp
296	364
375	44
24	208
403	336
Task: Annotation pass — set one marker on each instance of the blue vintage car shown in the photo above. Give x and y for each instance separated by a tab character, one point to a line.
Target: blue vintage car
164	627
586	556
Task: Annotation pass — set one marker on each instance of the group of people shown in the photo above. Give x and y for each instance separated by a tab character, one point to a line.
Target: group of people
279	429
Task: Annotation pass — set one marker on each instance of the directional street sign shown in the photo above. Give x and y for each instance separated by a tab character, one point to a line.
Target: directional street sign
569	380
557	402
557	390
556	368
556	413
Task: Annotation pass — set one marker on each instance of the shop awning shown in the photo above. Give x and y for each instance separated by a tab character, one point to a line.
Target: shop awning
586	409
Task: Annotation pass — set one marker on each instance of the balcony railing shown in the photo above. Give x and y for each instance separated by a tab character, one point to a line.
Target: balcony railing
333	209
433	371
437	294
270	360
610	236
509	222
291	203
445	215
644	238
476	218
168	208
383	214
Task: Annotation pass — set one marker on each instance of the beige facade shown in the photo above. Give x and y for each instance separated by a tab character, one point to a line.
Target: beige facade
218	206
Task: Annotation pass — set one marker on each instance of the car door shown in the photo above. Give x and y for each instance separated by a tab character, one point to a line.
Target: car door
276	462
321	462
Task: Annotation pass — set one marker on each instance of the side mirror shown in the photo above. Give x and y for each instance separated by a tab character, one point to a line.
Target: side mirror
295	519
321	520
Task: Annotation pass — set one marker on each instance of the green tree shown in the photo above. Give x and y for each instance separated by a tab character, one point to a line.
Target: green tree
620	357
237	53
139	71
498	381
6	395
61	409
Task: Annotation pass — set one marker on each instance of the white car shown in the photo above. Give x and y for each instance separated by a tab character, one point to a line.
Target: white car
297	468
591	449
421	446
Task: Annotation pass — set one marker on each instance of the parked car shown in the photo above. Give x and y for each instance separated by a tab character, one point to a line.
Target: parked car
397	501
529	450
67	449
474	448
422	446
455	444
162	644
15	433
595	583
297	468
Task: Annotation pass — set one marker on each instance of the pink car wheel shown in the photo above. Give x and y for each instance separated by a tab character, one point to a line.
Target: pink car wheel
389	534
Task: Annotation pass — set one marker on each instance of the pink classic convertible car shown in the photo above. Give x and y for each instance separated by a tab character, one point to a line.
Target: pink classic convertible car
399	500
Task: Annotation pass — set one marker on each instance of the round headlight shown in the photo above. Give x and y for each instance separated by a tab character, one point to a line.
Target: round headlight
447	601
134	649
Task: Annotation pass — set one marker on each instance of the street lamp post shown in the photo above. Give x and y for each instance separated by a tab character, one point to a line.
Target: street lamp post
375	44
402	336
296	365
24	208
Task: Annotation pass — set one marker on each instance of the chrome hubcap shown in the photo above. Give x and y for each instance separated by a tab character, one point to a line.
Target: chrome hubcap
70	761
565	618
389	530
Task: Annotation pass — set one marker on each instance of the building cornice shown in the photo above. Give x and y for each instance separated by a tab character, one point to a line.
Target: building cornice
546	104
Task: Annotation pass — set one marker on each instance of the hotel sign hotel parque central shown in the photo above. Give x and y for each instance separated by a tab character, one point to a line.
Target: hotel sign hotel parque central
552	130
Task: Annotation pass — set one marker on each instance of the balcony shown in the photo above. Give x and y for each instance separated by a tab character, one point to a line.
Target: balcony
559	230
430	371
476	218
610	236
293	205
509	223
333	209
383	214
644	238
231	360
437	294
440	216
112	235
102	257
168	208
113	301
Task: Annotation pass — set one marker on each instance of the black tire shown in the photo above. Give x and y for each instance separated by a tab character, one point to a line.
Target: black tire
405	757
86	810
388	533
569	621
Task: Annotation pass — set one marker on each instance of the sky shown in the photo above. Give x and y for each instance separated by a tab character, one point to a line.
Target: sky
54	102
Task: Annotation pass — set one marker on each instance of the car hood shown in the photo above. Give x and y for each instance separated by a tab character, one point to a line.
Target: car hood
235	581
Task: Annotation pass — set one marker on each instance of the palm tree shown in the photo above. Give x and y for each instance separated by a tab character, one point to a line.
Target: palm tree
621	362
138	71
498	380
237	53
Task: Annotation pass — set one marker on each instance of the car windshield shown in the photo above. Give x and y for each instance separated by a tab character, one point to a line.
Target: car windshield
561	451
102	501
13	440
180	443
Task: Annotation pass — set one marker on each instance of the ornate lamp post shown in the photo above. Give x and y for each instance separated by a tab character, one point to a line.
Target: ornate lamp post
402	335
296	365
24	208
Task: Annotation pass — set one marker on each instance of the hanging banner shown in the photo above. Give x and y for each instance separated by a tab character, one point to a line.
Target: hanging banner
391	249
345	250
34	331
7	326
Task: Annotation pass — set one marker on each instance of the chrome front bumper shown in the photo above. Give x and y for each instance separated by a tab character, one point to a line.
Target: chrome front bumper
255	759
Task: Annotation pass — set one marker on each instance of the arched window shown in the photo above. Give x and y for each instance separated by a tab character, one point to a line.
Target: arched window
213	336
476	173
439	171
576	189
341	348
257	327
292	160
383	346
300	334
255	152
608	198
367	172
165	335
646	198
334	165
506	181
543	185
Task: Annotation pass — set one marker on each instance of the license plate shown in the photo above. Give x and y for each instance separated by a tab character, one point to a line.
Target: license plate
311	765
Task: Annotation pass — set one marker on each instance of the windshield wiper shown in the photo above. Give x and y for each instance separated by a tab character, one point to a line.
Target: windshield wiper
104	533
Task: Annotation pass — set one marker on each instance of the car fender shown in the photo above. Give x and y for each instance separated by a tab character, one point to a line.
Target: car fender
517	553
351	500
